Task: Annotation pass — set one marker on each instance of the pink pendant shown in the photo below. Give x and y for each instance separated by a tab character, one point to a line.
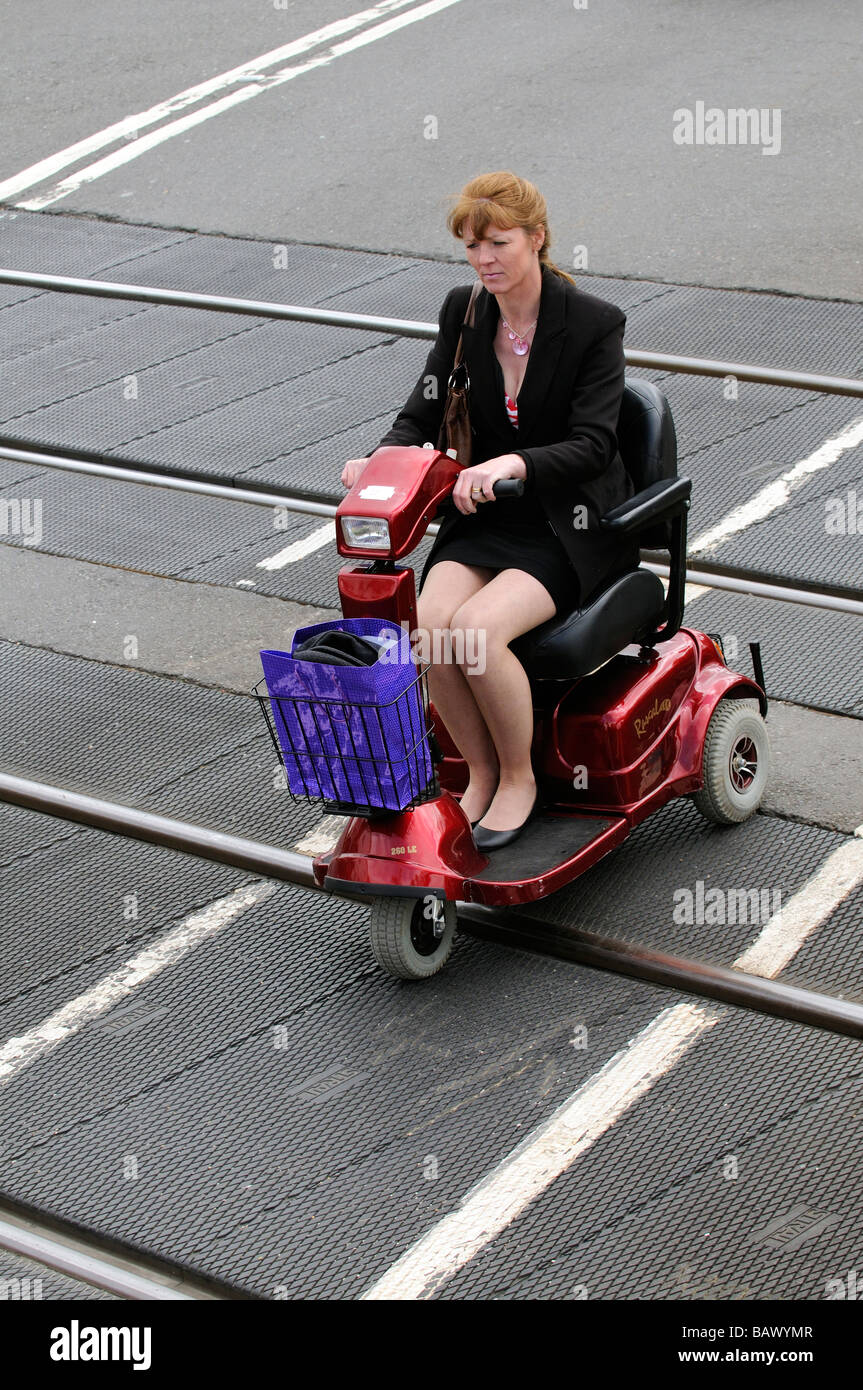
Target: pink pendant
519	348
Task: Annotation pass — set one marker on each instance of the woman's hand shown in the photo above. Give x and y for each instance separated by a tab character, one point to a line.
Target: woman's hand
485	475
352	470
354	467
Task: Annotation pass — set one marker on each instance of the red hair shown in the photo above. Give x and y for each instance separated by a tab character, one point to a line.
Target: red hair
502	199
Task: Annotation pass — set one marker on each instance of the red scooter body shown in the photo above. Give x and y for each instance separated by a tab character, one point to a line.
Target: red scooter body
608	749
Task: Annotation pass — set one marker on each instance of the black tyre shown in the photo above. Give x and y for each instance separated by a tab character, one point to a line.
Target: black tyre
735	766
412	937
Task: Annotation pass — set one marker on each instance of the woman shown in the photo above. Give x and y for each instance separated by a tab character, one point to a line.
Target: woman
545	362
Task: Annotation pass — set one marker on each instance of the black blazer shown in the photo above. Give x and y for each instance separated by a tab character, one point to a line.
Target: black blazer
568	407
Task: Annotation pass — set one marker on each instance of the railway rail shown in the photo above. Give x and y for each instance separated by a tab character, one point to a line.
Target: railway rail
739	580
410	328
510	926
735	580
56	1244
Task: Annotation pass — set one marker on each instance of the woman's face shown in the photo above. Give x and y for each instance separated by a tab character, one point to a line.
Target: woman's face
504	256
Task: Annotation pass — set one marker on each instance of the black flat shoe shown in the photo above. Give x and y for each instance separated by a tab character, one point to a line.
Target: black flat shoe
487	840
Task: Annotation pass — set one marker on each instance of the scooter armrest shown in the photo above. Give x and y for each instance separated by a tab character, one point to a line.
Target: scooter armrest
657	502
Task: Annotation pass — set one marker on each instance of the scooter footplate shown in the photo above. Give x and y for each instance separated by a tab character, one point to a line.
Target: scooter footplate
546	843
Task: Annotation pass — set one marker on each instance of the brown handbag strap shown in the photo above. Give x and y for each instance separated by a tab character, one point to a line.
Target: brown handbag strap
468	319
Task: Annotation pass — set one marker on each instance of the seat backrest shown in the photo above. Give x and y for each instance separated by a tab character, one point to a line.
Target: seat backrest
645	434
648	444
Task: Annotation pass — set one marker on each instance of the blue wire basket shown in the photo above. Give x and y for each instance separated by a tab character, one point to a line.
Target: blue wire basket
356	737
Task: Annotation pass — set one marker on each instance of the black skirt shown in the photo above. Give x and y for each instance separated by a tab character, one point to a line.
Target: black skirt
514	533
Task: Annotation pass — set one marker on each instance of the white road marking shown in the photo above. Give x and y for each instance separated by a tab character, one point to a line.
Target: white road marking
777	493
131	125
298	550
693	591
769	499
263	84
497	1200
601	1101
690	591
789	928
323	836
23	1051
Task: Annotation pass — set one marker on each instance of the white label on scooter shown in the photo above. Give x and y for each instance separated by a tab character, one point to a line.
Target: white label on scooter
376	492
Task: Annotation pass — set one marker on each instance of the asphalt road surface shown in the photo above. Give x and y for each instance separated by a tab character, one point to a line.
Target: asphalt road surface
364	135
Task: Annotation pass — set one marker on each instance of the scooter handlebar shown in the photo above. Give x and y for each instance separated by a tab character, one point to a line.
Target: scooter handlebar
504	487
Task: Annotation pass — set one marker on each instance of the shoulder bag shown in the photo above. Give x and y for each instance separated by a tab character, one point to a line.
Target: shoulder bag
455	431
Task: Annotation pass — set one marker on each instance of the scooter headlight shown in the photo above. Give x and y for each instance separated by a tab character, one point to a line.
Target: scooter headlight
366	532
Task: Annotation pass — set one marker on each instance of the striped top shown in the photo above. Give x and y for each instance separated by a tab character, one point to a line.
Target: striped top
511	410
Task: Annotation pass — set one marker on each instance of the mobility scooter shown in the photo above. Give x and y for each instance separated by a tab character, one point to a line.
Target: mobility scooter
630	708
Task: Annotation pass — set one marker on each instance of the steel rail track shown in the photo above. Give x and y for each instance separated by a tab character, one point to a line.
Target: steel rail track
755	583
506	926
411	328
101	1261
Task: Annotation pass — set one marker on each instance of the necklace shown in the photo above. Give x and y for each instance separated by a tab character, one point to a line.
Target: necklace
519	341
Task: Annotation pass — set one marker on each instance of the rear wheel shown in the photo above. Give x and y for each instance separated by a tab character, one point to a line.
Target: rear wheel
735	766
412	937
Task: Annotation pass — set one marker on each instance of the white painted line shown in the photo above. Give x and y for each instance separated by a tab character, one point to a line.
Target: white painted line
789	928
495	1202
323	836
23	1051
131	125
575	1126
298	550
691	592
263	84
777	493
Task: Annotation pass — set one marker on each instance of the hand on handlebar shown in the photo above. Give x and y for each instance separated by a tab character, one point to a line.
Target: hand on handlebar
354	467
352	470
484	476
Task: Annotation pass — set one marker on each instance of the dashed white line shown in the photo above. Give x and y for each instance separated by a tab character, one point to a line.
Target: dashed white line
264	83
247	72
576	1125
23	1051
298	550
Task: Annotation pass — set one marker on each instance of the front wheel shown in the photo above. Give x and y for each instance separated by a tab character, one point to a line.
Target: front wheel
412	937
735	765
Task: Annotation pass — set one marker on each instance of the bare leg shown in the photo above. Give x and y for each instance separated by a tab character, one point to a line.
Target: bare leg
510	604
448	585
